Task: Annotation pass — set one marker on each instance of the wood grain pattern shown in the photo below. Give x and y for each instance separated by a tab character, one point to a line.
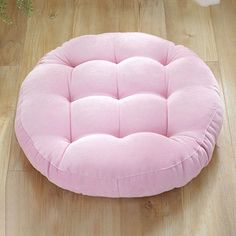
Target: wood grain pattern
191	25
12	38
31	205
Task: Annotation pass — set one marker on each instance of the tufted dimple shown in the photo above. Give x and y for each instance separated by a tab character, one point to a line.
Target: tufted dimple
119	115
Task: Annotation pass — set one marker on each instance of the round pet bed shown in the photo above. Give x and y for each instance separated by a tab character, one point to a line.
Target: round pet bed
119	115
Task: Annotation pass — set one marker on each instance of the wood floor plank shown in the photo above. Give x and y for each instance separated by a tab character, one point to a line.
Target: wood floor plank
5	140
129	15
190	25
7	98
224	19
95	16
12	36
48	210
152	17
8	80
159	212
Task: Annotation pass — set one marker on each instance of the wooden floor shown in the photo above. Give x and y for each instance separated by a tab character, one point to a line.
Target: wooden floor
30	205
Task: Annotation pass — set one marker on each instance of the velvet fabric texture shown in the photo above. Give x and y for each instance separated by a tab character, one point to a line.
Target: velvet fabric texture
119	115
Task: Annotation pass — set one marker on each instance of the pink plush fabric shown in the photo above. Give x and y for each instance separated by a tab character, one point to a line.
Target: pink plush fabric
119	115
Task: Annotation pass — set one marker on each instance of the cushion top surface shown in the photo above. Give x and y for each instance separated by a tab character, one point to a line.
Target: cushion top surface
119	115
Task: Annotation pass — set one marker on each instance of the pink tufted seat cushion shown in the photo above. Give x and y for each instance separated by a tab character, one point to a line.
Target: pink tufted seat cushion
119	115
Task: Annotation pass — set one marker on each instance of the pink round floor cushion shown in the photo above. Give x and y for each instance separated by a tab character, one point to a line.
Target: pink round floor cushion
119	115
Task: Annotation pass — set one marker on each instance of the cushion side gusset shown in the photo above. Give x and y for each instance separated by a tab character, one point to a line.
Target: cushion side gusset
178	174
211	136
117	187
64	179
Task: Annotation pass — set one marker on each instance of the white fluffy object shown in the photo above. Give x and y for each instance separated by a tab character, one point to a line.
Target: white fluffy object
206	3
